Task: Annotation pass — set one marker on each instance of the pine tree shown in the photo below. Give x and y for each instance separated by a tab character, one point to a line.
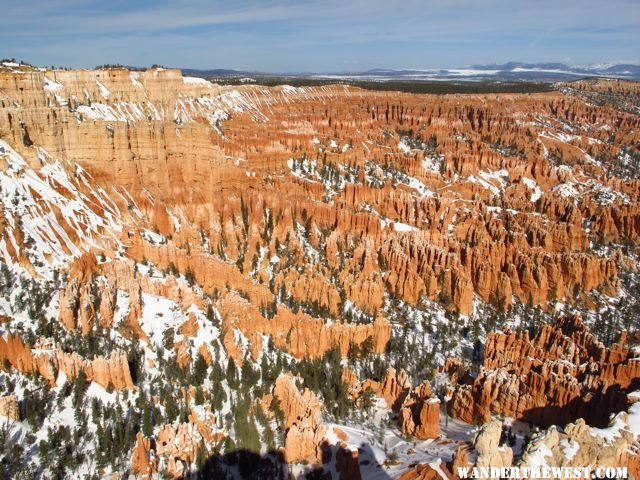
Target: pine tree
80	387
232	374
199	370
147	422
211	315
218	396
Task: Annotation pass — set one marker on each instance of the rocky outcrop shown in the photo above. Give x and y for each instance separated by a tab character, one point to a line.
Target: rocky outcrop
112	372
76	308
174	448
485	451
577	445
487	446
15	353
304	430
144	463
178	447
561	374
300	334
48	362
428	471
9	408
347	463
394	387
463	457
420	414
418	409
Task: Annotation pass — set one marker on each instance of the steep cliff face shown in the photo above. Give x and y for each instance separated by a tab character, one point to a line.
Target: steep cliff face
561	374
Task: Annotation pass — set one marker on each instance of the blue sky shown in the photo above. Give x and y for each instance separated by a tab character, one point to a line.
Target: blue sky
320	36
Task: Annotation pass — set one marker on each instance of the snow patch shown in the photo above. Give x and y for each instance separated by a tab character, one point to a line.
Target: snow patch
566	190
52	86
197	81
134	79
104	91
569	448
404	147
532	185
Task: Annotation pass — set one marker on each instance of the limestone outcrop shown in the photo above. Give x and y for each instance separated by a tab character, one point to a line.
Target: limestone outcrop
347	463
580	445
304	430
561	374
418	408
577	445
420	414
511	225
487	446
48	362
9	408
428	471
144	463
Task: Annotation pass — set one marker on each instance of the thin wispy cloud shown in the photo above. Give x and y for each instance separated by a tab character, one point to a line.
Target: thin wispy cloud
290	35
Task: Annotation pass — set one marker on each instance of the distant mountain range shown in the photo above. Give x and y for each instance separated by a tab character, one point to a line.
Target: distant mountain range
507	72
